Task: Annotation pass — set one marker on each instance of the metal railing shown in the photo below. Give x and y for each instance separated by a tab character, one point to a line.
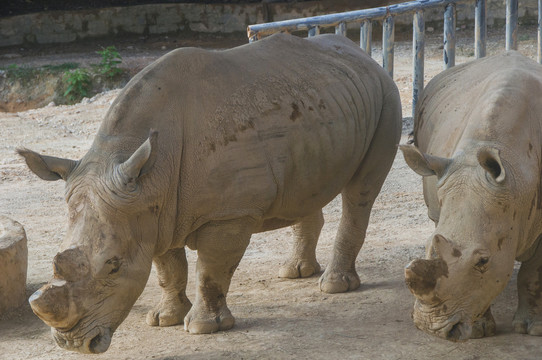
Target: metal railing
387	13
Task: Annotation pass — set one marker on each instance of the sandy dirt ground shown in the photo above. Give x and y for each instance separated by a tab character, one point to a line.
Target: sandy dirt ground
275	318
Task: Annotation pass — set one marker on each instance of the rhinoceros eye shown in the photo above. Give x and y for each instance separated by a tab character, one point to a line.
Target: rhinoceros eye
482	264
113	264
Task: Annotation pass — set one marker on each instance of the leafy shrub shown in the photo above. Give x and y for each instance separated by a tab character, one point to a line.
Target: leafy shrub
78	84
108	66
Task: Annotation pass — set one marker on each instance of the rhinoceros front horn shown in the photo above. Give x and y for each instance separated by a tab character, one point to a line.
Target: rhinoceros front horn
421	276
51	304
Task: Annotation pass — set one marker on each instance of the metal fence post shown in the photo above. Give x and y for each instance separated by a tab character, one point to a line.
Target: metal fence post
449	36
313	31
418	45
388	38
512	24
540	31
366	34
480	31
341	29
387	14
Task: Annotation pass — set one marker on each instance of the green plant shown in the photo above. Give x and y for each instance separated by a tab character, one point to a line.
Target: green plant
108	66
77	83
24	74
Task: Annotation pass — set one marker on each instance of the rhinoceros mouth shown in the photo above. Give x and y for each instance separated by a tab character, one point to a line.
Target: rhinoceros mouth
450	327
95	341
458	331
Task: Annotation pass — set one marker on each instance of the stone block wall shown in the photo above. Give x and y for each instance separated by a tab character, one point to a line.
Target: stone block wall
62	27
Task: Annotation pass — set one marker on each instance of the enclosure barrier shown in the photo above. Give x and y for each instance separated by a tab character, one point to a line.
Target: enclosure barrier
387	13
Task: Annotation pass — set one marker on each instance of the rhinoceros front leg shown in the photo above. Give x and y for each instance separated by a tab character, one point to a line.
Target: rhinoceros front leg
302	262
528	317
485	326
172	270
220	246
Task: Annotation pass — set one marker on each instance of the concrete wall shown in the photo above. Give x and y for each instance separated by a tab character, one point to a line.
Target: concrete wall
61	27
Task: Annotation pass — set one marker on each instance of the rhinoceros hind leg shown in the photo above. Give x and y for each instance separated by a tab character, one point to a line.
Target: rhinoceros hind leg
195	323
172	270
358	197
220	246
302	262
484	327
528	317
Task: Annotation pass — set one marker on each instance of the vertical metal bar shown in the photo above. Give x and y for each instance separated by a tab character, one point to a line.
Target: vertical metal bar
540	31
366	35
480	31
341	29
511	25
418	46
313	31
449	36
388	37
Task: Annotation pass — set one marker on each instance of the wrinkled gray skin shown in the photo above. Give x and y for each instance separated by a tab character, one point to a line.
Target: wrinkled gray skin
241	141
478	141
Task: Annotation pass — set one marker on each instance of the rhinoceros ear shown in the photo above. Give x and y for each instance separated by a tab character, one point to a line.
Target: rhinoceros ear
490	160
424	164
141	160
47	167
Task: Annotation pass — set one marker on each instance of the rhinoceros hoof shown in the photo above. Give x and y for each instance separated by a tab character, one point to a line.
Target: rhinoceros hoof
528	326
293	269
169	313
205	323
483	328
337	281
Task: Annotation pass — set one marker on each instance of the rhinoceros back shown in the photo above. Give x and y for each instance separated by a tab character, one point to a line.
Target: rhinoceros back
284	119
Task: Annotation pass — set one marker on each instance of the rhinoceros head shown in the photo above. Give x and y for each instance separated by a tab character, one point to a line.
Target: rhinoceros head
106	256
470	256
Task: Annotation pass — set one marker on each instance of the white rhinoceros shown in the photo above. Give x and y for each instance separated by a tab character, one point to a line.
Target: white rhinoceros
478	137
241	141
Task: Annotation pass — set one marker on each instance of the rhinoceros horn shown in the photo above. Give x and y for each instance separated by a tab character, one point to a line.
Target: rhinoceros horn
51	304
71	265
421	276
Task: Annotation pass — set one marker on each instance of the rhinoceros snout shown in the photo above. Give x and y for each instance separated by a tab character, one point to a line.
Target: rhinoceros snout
87	344
100	343
458	331
452	326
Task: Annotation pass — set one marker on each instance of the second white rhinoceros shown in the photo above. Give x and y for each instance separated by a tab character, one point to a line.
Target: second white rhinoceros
241	141
478	137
